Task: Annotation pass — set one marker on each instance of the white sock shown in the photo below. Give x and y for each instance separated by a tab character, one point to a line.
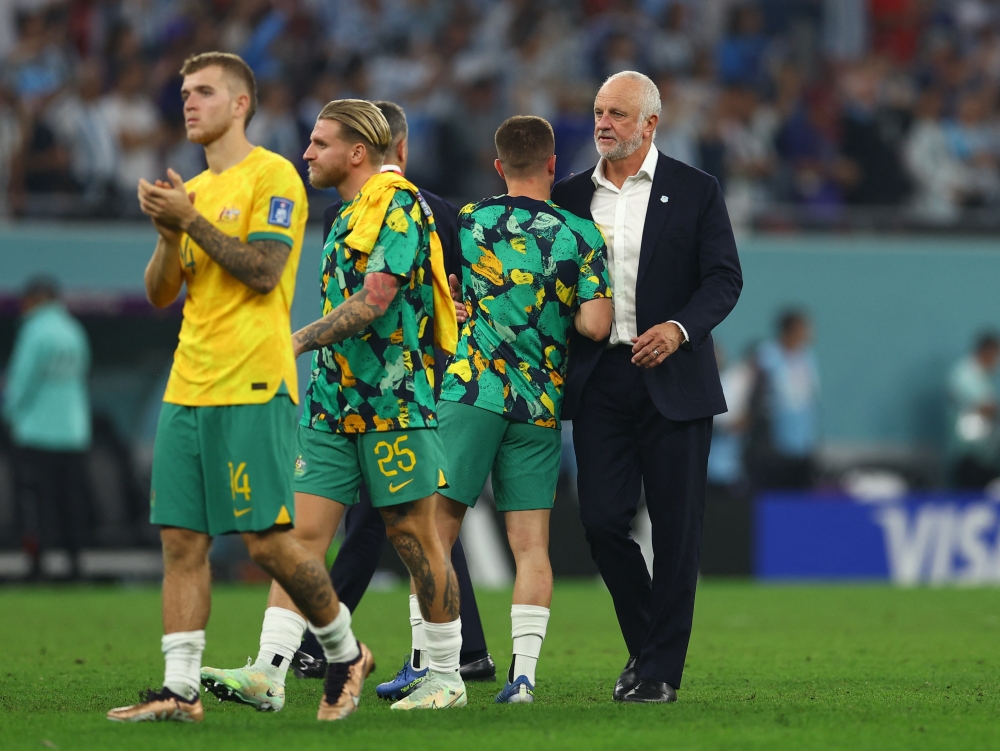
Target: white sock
444	645
280	636
527	627
417	659
182	652
337	639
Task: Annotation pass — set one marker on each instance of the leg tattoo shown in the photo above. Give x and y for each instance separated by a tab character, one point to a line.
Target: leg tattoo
451	598
309	587
412	553
393	515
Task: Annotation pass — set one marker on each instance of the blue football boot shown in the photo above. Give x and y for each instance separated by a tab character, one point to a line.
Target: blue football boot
519	692
404	684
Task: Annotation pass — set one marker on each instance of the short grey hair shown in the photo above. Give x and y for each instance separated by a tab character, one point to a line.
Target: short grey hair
649	95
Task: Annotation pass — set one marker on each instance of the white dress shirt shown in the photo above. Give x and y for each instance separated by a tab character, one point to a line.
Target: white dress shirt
621	215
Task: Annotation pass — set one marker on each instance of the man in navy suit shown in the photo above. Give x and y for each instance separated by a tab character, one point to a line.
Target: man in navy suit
361	550
642	402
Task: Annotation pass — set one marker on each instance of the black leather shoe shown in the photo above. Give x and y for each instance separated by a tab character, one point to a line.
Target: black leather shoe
648	691
479	671
627	680
304	665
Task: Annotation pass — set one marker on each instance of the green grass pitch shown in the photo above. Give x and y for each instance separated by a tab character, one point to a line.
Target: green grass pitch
789	667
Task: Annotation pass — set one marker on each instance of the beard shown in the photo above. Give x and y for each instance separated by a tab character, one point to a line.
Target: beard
330	177
622	147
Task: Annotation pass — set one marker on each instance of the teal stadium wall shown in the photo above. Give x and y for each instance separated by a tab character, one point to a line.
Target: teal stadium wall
891	313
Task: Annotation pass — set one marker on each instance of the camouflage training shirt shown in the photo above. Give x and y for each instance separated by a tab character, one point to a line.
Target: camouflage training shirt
527	265
382	377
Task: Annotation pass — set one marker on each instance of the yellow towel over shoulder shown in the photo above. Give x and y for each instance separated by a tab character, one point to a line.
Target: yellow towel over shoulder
365	222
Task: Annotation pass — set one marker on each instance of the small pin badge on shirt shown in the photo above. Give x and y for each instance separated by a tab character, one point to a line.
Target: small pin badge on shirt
664	199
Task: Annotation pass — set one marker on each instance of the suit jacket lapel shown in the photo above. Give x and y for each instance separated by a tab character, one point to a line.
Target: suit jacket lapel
656	211
583	195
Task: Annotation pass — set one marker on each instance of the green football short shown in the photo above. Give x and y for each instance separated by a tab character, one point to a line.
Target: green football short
396	466
224	469
523	458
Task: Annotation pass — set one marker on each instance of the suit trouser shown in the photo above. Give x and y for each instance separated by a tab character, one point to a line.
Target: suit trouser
623	444
51	487
358	559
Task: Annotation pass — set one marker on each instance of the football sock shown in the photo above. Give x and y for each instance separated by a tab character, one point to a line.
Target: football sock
527	627
444	644
337	639
280	636
417	654
182	653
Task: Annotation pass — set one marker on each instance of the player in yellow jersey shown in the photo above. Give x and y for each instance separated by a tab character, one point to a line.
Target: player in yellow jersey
225	443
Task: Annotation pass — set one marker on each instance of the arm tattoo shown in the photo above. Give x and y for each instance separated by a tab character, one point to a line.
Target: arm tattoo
258	264
351	316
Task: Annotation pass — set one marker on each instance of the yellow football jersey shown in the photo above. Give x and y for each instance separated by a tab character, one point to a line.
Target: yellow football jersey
235	344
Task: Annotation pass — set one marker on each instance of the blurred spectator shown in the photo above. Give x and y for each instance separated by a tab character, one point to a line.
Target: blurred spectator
816	172
789	403
274	126
47	406
745	131
11	134
936	172
677	131
135	121
973	442
80	121
846	29
38	66
469	152
896	27
974	143
741	52
179	154
326	88
871	139
726	473
45	164
672	47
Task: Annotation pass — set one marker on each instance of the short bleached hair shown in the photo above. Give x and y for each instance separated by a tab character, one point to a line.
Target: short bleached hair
649	95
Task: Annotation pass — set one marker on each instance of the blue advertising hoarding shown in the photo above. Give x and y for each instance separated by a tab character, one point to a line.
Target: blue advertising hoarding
929	538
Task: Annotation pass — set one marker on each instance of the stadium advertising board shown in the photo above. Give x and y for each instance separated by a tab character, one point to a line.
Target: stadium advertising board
920	539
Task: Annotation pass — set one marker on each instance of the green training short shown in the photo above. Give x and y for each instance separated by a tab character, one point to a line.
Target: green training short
523	458
396	466
224	469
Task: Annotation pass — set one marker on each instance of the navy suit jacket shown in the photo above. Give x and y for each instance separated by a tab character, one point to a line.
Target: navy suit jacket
689	272
445	217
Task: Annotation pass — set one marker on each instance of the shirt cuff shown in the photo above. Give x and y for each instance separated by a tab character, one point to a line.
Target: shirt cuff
683	330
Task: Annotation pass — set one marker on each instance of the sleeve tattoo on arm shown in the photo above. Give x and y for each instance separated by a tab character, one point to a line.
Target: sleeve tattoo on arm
351	316
258	264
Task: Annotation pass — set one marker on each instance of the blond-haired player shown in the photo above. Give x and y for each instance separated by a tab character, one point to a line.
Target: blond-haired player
370	412
225	443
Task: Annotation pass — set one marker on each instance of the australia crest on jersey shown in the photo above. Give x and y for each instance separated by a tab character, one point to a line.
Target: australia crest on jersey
229	214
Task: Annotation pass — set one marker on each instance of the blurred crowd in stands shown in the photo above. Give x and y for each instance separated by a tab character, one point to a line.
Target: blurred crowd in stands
808	111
